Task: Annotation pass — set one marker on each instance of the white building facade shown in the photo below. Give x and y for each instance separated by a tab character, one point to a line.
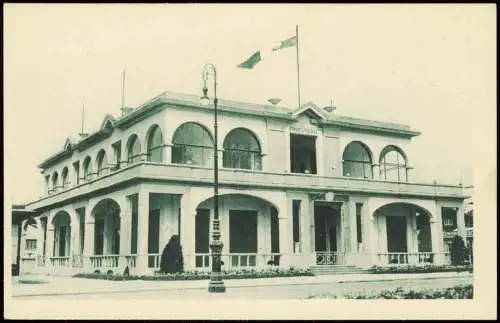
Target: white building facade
297	188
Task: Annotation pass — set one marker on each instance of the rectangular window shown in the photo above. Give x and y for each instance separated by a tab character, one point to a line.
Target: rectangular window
275	231
153	235
99	237
154	231
296	220
242	231
117	149
449	218
359	216
47	184
81	215
179	223
62	241
302	154
202	231
30	244
76	168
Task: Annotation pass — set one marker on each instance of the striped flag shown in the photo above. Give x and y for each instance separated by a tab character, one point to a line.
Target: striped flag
251	61
290	42
256	57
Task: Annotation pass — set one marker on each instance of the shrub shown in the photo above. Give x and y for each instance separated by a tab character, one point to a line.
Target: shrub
458	251
194	275
456	292
414	269
171	257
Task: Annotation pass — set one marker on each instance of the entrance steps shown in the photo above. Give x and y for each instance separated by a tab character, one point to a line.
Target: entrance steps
337	270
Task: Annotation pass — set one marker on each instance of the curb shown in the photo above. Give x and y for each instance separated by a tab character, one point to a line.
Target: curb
338	281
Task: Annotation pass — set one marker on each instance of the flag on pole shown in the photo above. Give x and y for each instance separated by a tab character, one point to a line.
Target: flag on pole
256	57
251	61
290	42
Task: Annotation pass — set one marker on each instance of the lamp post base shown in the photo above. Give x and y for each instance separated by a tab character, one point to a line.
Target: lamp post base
216	287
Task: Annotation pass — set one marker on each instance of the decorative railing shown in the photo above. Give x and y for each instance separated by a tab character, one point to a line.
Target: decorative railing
154	260
40	261
177	171
239	260
404	258
77	261
59	262
330	258
241	159
469	232
202	260
131	260
104	261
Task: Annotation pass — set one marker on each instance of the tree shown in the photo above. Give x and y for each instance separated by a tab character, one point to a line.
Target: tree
171	257
458	250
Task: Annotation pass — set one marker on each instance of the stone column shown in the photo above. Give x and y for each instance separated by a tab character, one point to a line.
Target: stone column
412	238
370	238
376	171
125	232
354	233
88	244
285	238
304	222
188	216
436	228
167	153
142	232
50	246
461	221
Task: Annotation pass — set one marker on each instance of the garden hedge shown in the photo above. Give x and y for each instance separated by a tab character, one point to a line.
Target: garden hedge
456	292
412	269
194	275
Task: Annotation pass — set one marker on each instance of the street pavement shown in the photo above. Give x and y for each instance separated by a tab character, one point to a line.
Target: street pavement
68	288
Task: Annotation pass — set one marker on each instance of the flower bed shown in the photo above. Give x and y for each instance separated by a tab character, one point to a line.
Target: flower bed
456	292
194	275
412	269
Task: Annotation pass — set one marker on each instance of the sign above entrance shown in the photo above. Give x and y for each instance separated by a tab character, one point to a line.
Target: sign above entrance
305	131
329	197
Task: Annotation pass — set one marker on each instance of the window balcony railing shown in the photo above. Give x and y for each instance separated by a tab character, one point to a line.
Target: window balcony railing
241	159
192	155
104	261
330	258
405	258
187	172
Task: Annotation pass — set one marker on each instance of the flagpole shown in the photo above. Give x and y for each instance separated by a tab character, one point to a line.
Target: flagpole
298	69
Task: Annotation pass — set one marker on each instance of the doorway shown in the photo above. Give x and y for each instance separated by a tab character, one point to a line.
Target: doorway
327	233
396	234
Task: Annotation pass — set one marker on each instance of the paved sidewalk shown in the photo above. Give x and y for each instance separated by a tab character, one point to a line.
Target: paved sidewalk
57	285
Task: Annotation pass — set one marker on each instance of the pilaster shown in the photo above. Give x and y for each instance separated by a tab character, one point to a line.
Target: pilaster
143	232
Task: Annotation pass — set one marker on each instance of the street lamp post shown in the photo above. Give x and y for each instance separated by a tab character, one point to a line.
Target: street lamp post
216	284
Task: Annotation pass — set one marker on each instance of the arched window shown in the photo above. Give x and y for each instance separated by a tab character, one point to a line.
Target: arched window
392	165
155	145
134	149
102	162
241	150
87	169
356	161
192	144
65	179
55	181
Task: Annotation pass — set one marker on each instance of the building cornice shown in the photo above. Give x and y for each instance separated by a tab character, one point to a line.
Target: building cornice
170	99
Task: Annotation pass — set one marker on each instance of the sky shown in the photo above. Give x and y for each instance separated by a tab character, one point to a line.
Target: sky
431	67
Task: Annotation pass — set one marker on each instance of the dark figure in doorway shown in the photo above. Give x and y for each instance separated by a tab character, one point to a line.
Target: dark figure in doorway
171	257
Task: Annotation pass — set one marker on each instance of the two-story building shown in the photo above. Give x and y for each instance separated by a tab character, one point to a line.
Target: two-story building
303	187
